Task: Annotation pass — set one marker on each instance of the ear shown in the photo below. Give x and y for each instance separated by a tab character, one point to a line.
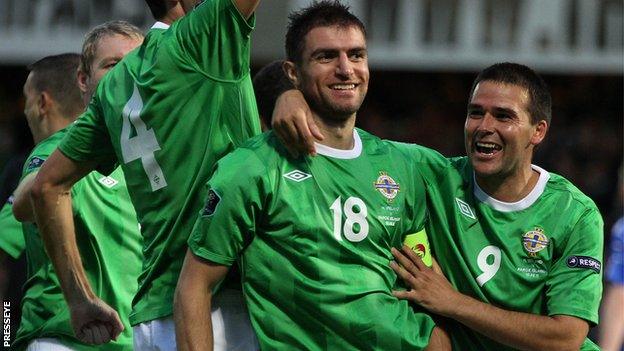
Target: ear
82	79
540	132
291	72
44	104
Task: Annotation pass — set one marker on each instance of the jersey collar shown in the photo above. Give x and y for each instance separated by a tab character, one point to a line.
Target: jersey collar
160	25
525	203
339	153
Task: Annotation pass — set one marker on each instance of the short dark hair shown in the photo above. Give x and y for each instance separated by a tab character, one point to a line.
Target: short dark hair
540	103
158	8
56	75
269	83
320	14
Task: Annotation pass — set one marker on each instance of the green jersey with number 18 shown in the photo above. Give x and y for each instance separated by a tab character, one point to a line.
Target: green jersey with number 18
314	236
541	255
167	112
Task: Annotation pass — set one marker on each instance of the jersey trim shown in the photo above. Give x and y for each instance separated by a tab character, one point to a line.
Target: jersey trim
524	203
339	153
160	25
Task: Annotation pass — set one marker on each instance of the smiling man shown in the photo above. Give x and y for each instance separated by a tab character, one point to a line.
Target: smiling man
312	235
521	246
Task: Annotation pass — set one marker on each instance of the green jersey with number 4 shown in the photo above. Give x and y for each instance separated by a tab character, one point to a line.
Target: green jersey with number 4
109	242
314	236
167	113
541	255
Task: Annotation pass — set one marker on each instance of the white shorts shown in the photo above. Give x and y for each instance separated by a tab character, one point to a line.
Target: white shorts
231	327
47	344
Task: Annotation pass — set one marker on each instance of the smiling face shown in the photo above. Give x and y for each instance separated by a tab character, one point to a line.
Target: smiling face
499	135
333	75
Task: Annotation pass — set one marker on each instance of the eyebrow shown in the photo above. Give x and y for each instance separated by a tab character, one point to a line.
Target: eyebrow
350	51
507	110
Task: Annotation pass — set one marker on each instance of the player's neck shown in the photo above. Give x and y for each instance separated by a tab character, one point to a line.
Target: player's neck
338	133
512	188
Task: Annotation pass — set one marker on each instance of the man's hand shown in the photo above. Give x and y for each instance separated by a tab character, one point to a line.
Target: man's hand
94	322
428	288
293	123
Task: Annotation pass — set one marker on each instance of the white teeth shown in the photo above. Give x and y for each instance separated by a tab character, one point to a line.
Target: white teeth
491	145
343	86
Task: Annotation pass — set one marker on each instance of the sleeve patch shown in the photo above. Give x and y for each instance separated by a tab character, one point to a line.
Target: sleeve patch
34	163
211	203
584	262
10	200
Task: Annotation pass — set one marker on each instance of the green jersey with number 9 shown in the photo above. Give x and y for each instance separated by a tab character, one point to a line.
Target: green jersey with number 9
541	255
314	236
167	112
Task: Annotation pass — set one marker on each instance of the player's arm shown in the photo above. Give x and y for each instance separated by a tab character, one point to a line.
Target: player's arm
93	321
193	302
523	331
22	207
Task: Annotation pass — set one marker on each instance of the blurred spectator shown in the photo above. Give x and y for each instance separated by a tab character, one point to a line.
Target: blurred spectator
611	336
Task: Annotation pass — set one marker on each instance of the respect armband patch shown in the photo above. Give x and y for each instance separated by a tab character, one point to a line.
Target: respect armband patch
584	262
34	163
211	203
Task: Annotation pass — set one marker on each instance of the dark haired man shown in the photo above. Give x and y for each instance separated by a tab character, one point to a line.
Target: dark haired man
522	246
167	112
534	275
269	83
104	217
312	235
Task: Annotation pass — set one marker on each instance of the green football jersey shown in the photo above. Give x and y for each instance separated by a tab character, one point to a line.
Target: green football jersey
313	236
11	237
167	113
541	255
110	244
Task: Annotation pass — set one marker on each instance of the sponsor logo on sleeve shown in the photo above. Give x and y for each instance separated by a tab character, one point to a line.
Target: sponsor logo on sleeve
585	262
10	200
211	203
34	163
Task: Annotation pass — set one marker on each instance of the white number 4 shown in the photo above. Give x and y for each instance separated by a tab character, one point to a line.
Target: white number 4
143	144
352	219
489	270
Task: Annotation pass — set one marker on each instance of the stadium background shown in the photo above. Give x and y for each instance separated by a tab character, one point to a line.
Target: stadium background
423	57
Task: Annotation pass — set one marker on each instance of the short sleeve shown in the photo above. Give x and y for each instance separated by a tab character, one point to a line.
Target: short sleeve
12	238
233	203
216	38
574	283
88	140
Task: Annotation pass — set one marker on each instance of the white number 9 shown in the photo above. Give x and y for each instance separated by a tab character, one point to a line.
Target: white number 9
489	270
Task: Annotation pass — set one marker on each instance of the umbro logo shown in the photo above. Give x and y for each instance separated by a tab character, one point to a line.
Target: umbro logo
465	209
297	176
108	182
